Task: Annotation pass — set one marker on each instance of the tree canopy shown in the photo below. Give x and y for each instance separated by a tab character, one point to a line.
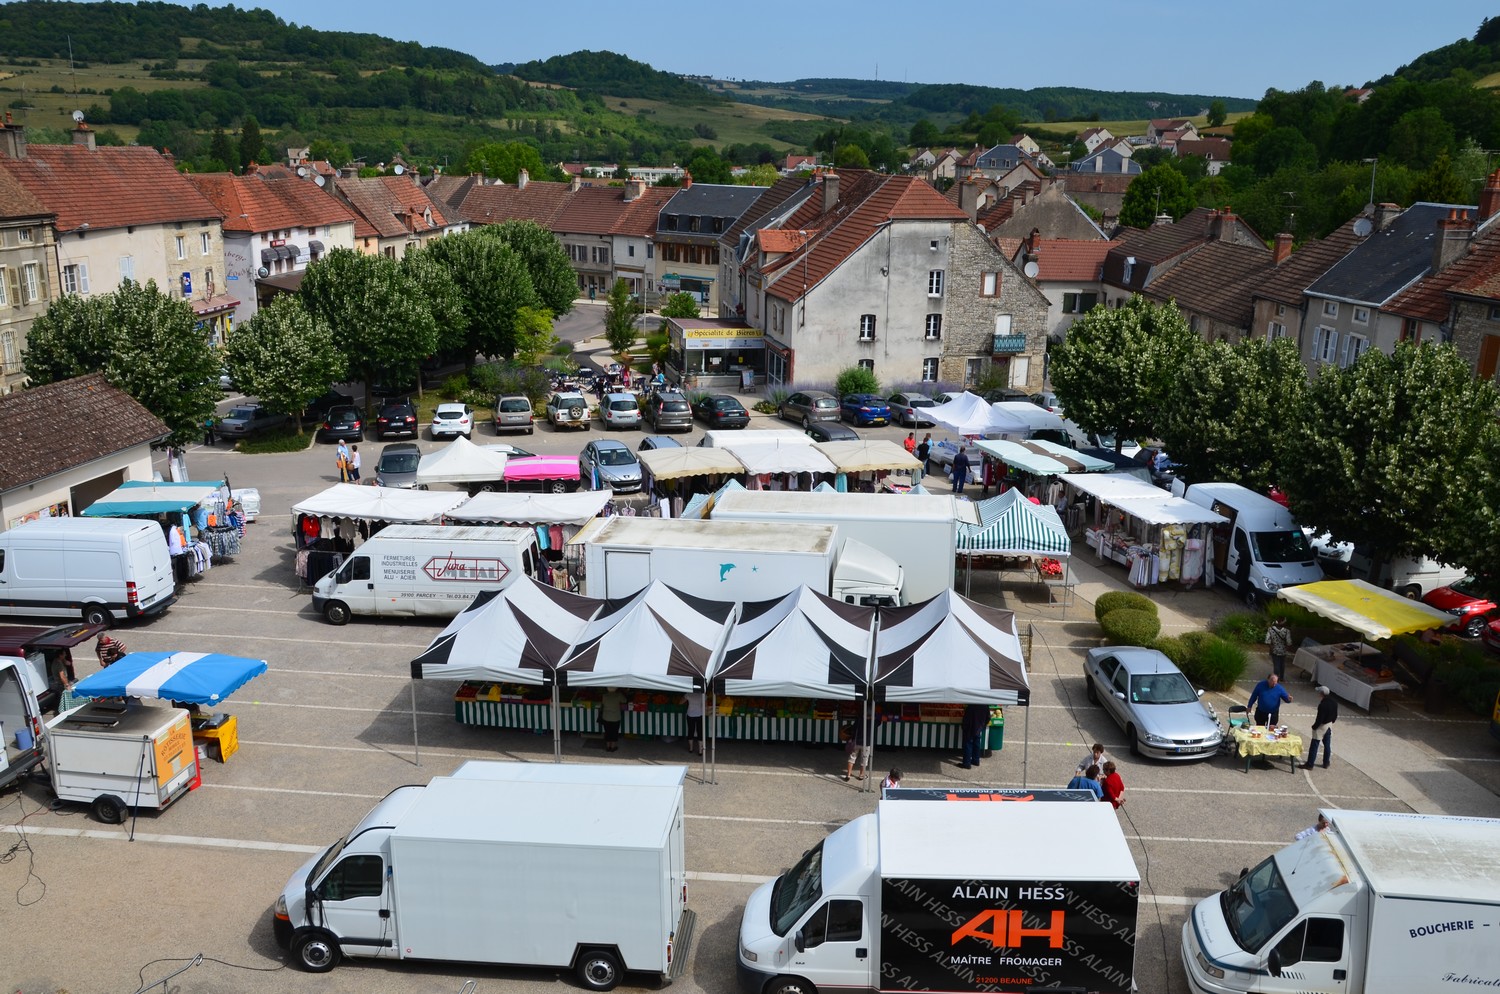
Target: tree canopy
620	312
281	357
1159	190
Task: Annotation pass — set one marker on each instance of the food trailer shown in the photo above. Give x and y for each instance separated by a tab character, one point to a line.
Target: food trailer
116	756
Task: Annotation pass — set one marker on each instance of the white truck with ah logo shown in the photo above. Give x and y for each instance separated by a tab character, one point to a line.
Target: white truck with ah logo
1379	903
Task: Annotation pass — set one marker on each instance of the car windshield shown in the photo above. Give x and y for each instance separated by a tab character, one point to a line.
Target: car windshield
825	403
449	415
615	457
399	462
622	405
919	402
514	406
1161	688
727	404
343	417
1281	547
393	412
1258	906
796	890
1470	585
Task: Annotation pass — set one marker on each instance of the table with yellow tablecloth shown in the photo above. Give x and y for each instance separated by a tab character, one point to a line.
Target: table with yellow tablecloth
1249	745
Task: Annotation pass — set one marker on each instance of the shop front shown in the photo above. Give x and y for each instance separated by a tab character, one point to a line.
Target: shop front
710	354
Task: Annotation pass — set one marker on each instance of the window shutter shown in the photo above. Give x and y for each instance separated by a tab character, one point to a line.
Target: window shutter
13	287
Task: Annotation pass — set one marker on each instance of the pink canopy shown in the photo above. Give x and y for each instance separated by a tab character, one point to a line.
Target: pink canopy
531	468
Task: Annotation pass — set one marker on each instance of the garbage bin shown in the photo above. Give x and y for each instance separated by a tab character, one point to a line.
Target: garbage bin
996	738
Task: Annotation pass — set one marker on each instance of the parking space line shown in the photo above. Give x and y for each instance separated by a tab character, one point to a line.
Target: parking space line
303	641
173	840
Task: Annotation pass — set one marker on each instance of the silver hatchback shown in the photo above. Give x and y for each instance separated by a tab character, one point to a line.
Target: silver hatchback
620	410
667	410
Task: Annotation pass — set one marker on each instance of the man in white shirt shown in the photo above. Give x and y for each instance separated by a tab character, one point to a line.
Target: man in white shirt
1321	826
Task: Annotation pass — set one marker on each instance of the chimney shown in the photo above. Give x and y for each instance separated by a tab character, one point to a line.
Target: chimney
1281	249
522	178
634	189
1385	214
968	198
83	135
12	139
687	179
1221	227
1489	200
574	185
830	191
1452	241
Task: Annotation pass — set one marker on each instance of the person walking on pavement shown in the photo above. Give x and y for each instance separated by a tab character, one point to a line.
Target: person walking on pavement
341	458
924	453
1328	713
961	466
1279	638
1266	699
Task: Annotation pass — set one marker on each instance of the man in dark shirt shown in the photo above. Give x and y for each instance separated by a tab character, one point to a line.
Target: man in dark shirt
1266	698
976	724
1328	713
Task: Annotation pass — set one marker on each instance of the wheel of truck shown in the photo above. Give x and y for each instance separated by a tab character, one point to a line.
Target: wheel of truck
1411	592
1249	596
315	952
336	613
791	985
1135	742
96	614
599	970
487	488
1090	691
109	809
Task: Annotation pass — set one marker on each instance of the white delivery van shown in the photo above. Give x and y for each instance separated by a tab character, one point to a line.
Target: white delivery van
425	571
100	569
1380	903
957	897
732	560
1410	576
1261	549
578	866
33	662
918	531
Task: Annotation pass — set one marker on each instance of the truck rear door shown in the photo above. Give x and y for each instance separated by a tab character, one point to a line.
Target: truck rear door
837	945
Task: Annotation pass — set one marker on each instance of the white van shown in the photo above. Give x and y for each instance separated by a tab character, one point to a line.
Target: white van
1261	549
430	571
100	569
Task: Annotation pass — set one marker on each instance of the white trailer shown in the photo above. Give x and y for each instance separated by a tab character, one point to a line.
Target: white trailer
1379	903
578	867
918	532
733	561
115	756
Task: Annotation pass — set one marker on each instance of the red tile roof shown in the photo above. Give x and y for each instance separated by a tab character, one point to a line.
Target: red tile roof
774	241
1071	258
103	420
1216	281
1097	182
392	206
603	210
16	201
539	201
250	205
1286	282
774	199
108	187
1477	274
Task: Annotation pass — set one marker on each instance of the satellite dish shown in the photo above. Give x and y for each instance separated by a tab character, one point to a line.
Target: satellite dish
78	117
321	180
262	272
1363	227
398	169
1031	269
302	172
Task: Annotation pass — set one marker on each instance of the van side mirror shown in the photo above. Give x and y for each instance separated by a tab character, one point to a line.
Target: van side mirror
1200	692
800	941
1273	963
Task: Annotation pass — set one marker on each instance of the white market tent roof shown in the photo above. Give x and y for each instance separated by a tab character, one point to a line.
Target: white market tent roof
949	648
801	645
1141	500
718	437
1011	523
966	414
352	500
1022	458
535	509
698	460
1090	464
1034	418
461	462
867	455
758	457
662	640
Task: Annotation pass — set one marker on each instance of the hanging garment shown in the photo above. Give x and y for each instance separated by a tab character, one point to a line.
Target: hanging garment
555	537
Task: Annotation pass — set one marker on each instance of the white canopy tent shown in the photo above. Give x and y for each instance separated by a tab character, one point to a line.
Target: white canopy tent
1365	608
966	414
1023	412
537	509
461	462
760	458
949	648
800	645
697	460
351	500
662	639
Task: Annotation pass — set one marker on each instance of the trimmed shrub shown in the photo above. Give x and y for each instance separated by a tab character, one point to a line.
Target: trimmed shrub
1173	648
1468	673
1126	626
856	379
283	439
1117	599
1218	664
1244	627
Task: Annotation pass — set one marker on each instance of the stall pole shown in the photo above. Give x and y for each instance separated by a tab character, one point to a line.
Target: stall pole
416	749
709	671
711	738
556	720
868	714
140	774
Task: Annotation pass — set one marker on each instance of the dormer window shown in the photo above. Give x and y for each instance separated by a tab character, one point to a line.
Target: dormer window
669	222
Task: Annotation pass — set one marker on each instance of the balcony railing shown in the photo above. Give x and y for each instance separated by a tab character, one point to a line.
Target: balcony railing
1010	343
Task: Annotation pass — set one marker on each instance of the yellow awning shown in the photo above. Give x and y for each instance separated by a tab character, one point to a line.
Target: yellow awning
1367	609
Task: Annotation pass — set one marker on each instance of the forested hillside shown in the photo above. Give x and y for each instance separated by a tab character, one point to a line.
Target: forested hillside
616	75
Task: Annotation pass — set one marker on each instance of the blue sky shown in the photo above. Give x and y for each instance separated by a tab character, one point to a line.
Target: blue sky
1164	45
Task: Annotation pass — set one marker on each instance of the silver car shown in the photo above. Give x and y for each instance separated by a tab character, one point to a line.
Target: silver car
807	406
607	463
620	410
398	465
1161	713
513	413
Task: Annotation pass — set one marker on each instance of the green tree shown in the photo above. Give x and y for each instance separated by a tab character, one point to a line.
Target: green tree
620	312
251	145
851	156
282	357
1216	114
505	160
923	134
552	278
1230	407
222	150
677	305
1158	190
1440	184
706	167
855	379
534	335
1383	442
761	174
1419	136
1116	370
146	344
494	283
444	299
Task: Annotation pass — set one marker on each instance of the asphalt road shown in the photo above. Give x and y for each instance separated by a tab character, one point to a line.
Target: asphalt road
329	730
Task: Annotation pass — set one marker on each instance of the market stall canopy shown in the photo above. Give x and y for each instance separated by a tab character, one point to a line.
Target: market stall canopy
1365	608
351	500
800	645
534	509
868	455
1085	462
1022	458
759	458
966	414
1027	414
949	648
188	677
719	437
461	461
1010	523
662	639
534	469
697	460
520	634
1165	510
149	497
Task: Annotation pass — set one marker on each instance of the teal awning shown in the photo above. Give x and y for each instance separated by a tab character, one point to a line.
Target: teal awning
1090	464
1012	524
144	497
1021	457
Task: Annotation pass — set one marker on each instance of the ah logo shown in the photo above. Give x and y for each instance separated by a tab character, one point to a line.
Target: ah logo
1004	929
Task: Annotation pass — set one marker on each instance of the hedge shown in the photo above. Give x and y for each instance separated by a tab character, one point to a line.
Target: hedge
1212	662
1128	626
1128	599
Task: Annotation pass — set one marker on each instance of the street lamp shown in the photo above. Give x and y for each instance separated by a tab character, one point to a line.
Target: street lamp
1374	163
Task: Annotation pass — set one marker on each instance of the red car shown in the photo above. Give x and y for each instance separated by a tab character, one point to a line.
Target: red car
1471	605
1491	638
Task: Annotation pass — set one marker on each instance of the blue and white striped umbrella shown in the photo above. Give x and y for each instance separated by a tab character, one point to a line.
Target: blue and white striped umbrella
189	677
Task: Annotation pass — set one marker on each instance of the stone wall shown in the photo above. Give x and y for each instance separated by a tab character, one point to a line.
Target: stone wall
969	327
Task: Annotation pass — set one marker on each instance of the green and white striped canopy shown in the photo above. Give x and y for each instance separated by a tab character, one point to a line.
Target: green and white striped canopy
1010	523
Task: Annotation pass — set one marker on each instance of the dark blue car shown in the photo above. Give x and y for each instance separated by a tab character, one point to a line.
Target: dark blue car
864	409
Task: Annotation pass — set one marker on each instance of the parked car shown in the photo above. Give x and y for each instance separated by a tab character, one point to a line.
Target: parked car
831	431
807	406
1046	399
1147	696
605	462
513	413
620	410
864	409
1128	447
398	465
343	423
226	382
1469	601
1004	394
1491	638
248	419
536	474
667	409
452	420
397	417
944	397
721	411
509	451
653	442
905	408
318	409
568	410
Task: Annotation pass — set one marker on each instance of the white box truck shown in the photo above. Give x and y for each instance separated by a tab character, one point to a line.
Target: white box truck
576	866
432	571
951	897
1261	549
734	561
99	569
1379	903
919	532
